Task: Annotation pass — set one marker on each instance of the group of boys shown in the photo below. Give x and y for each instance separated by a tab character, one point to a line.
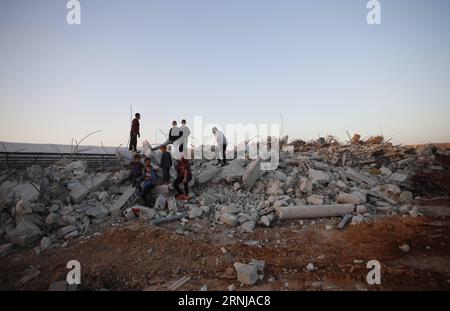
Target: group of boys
144	177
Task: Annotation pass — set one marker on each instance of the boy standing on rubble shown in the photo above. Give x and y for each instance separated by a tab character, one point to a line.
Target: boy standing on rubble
166	164
149	176
136	171
185	132
184	176
134	132
221	146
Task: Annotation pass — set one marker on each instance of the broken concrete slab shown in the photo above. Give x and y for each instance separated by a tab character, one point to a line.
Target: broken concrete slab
359	177
233	172
314	211
398	177
207	174
96	181
127	199
25	234
252	174
25	191
78	192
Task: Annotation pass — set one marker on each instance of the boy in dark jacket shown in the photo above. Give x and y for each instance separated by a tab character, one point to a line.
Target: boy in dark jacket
184	176
136	172
166	164
149	177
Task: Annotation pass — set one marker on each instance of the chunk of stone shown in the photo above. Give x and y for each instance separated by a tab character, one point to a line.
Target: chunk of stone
45	243
25	234
229	219
66	230
195	212
347	198
248	226
306	186
359	177
318	177
78	192
315	199
125	200
252	174
274	188
246	274
265	221
207	175
97	212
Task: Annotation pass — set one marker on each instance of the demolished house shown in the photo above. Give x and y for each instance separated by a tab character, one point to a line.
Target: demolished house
360	181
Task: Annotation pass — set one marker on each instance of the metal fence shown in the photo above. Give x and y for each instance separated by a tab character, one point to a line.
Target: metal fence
10	160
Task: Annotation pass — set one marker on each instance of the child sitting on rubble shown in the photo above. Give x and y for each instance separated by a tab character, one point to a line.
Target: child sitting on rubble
149	177
184	176
166	164
136	172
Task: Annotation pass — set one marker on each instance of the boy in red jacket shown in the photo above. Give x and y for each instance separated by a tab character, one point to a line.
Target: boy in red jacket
184	176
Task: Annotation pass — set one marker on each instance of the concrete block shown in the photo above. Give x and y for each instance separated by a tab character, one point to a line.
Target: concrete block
252	174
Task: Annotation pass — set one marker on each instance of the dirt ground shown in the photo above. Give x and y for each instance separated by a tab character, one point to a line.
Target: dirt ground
139	256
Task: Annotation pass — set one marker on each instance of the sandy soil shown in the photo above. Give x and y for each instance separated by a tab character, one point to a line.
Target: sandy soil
138	256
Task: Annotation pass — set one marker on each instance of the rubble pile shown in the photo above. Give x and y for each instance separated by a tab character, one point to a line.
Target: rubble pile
360	181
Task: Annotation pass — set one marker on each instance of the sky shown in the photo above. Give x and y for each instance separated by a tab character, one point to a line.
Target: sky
316	67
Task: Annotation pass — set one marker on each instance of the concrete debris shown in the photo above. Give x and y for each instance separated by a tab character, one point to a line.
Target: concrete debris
46	242
343	198
195	212
248	226
252	174
25	234
315	199
246	274
6	248
362	180
207	175
265	220
318	177
127	199
316	211
97	212
229	219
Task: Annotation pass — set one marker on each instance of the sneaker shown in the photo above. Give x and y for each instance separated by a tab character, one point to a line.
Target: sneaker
179	197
